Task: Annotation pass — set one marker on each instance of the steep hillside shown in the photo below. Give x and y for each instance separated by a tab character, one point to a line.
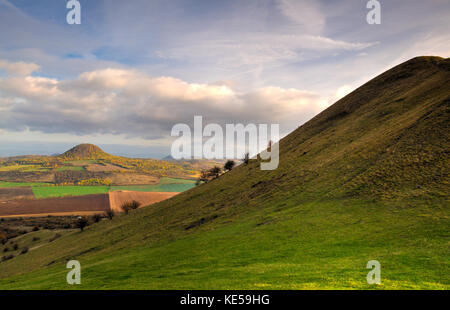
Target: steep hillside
85	151
365	179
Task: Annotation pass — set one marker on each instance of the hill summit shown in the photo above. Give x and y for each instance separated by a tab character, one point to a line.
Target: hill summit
85	151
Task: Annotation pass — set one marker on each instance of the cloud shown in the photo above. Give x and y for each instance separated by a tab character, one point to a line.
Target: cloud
343	91
19	68
252	50
304	13
132	103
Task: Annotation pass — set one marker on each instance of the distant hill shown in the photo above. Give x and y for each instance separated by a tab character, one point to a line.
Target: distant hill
366	179
169	158
85	151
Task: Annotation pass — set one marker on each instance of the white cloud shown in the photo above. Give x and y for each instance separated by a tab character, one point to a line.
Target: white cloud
304	13
129	102
18	68
252	50
431	44
343	91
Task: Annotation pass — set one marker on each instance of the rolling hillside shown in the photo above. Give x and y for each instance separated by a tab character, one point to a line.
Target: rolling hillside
365	179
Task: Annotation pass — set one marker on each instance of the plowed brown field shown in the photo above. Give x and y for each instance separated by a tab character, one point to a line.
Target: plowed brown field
117	199
15	193
78	205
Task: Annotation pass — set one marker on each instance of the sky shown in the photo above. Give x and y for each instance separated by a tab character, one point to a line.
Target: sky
133	69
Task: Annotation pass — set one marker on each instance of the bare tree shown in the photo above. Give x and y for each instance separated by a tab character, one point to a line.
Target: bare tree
96	218
214	172
134	205
204	177
81	223
126	207
246	158
229	165
110	214
208	175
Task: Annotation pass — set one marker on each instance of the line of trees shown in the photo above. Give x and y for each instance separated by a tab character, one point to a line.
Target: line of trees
216	171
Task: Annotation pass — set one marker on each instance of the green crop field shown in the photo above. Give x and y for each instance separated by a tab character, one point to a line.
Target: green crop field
81	162
23	168
165	185
61	191
21	184
46	190
165	180
155	188
71	168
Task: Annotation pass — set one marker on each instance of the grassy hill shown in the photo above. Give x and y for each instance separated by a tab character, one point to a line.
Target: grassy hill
87	163
85	152
367	179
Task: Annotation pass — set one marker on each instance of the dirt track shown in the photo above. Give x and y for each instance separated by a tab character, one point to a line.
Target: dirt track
117	199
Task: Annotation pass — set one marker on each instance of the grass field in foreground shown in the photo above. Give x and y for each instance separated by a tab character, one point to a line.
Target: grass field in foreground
317	245
61	191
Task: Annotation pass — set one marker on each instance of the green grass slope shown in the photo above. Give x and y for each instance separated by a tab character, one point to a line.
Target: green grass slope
367	179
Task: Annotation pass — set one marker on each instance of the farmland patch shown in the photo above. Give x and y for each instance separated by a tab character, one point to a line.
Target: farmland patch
15	193
71	168
104	167
21	184
155	188
133	178
23	168
23	177
74	205
61	191
166	180
117	199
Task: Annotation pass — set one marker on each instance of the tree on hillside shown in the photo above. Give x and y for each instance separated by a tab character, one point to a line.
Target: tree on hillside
110	214
208	175
130	205
125	207
214	172
134	205
203	178
81	223
96	218
246	158
229	165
